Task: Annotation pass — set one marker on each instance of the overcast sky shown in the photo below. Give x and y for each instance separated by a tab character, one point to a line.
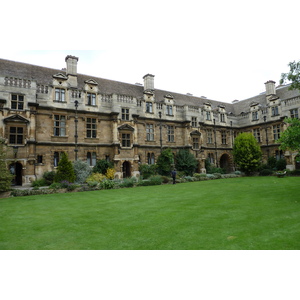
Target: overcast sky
224	50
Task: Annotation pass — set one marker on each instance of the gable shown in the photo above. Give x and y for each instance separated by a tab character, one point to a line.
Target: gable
126	127
15	119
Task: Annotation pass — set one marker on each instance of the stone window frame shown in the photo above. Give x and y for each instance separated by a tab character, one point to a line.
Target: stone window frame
125	114
256	134
149	107
150	132
57	126
171	133
294	113
17	104
14	137
91	128
196	143
91	158
194	122
91	99
60	94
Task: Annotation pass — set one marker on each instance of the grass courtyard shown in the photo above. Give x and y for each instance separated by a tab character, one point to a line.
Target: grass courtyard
238	213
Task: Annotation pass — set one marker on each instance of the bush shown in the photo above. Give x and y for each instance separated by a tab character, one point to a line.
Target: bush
217	175
266	172
186	162
107	184
147	170
110	173
38	183
82	171
189	178
156	180
102	166
5	176
281	164
128	182
97	177
55	186
49	177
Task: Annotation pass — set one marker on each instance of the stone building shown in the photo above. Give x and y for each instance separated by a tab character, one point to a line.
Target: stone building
44	112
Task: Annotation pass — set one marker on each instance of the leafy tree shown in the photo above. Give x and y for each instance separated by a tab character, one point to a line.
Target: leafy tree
147	170
102	166
5	176
290	138
65	170
165	162
293	75
186	162
247	153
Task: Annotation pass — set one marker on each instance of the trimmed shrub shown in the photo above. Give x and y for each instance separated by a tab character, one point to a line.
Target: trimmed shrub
65	170
49	177
82	171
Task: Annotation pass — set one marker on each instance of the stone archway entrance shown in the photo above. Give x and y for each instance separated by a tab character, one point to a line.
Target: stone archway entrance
126	169
16	169
225	163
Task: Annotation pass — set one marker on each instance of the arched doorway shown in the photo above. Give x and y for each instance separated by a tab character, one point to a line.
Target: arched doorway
225	163
16	169
126	169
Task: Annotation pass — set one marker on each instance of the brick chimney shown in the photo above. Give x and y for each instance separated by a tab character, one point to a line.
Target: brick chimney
270	88
149	82
72	65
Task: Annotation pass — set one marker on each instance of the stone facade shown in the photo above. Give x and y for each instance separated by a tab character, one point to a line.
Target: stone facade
44	112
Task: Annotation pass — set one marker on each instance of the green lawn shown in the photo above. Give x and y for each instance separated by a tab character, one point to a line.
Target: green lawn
238	213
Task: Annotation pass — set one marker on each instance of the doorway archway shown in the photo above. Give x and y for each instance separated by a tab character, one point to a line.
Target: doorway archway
16	169
126	169
225	163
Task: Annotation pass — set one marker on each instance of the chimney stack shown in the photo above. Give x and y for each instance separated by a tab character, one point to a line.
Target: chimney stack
270	88
148	82
72	65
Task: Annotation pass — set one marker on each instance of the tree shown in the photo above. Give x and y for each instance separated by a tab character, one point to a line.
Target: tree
293	75
186	162
290	138
165	162
5	176
65	170
247	153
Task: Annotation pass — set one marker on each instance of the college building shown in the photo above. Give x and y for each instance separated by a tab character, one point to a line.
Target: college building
44	112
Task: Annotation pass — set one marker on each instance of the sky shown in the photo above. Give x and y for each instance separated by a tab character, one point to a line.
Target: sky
223	50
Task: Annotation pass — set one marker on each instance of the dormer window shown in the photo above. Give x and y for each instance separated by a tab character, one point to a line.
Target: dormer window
169	110
91	99
17	102
60	95
149	107
222	118
255	116
275	111
208	115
